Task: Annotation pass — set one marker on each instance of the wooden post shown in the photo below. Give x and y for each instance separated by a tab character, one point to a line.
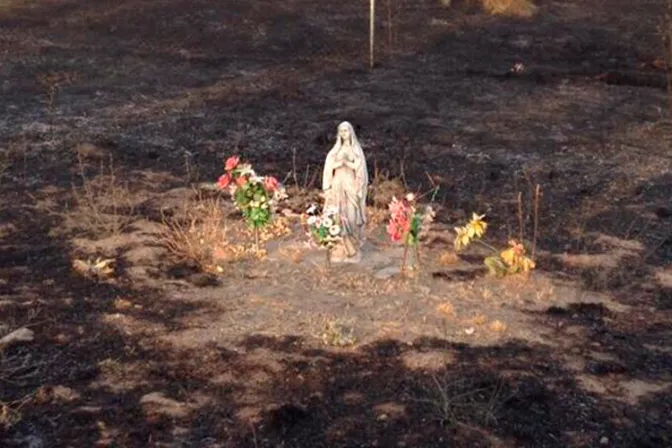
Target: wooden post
389	26
537	193
372	21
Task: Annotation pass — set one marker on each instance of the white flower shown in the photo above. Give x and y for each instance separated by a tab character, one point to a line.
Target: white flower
410	197
312	209
280	193
256	179
312	220
327	222
331	210
334	230
245	169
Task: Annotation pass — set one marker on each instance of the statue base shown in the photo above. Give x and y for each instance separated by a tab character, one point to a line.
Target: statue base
347	251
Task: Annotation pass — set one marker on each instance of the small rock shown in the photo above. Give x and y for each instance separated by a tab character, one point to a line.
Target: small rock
63	393
203	280
387	272
158	403
469	330
86	410
382	417
604	441
20	335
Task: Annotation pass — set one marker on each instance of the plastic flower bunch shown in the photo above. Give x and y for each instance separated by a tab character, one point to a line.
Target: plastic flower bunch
510	261
474	229
255	196
325	228
406	222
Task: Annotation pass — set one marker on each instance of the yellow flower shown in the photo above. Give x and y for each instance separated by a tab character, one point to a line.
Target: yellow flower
517	247
462	239
527	264
478	225
509	256
514	257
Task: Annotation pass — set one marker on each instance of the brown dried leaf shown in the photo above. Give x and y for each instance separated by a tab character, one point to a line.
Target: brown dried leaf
498	325
120	303
446	308
448	258
479	319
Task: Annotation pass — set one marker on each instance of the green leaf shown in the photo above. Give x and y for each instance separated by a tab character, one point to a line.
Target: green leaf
496	266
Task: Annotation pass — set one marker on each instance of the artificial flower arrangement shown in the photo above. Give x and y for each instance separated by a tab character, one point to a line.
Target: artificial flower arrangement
408	223
325	229
254	196
511	260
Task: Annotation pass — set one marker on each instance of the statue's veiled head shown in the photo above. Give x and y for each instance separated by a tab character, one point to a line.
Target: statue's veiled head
345	132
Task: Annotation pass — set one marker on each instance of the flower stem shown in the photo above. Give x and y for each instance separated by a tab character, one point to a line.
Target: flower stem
484	244
403	261
256	238
328	257
417	256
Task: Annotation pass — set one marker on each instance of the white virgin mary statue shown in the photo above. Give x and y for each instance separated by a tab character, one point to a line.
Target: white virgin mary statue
345	181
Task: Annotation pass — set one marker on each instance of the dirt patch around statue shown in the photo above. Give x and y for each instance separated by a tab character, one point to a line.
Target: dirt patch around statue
117	119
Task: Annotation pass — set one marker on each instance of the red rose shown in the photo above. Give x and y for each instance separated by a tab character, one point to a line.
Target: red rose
224	180
240	181
231	163
270	183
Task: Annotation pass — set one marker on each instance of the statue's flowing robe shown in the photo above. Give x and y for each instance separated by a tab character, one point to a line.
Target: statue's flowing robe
346	188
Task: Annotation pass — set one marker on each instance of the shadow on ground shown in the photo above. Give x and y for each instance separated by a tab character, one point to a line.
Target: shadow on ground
160	85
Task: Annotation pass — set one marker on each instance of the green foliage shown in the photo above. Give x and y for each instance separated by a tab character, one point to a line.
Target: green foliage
253	202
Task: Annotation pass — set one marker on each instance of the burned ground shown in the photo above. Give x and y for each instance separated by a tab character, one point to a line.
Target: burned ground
163	354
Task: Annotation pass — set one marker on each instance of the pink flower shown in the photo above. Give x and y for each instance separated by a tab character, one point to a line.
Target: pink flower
398	226
270	183
393	231
398	208
240	181
400	219
224	180
231	163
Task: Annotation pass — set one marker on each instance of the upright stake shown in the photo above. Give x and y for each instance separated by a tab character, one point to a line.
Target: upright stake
389	26
537	193
328	257
403	261
256	239
520	217
372	15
